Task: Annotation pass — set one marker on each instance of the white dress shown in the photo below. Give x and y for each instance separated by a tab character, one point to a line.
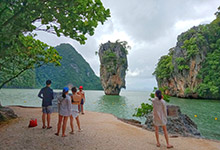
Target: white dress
64	106
75	111
159	112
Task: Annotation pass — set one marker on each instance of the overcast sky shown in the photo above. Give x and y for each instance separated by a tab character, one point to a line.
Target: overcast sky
151	28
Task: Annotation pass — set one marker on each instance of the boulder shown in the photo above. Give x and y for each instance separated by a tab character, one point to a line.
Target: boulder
6	114
177	123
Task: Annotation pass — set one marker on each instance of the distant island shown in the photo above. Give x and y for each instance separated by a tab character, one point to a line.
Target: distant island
192	67
74	69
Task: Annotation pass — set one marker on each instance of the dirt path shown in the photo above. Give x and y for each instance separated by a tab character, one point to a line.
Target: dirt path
100	132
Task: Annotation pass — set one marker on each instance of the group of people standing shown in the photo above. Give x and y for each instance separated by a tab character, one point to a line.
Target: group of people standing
68	107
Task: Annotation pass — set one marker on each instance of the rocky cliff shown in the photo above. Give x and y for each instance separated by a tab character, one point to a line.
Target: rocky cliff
191	69
113	59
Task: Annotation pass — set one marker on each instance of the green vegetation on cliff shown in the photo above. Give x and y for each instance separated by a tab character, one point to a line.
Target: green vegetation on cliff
111	60
74	69
198	43
164	66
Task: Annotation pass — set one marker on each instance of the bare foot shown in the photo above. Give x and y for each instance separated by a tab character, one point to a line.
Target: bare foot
64	135
158	144
169	146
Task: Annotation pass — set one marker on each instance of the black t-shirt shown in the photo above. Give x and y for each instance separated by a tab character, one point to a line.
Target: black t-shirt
47	97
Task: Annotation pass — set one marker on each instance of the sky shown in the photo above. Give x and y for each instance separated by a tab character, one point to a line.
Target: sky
150	27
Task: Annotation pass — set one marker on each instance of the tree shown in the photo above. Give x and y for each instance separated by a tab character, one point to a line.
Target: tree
19	50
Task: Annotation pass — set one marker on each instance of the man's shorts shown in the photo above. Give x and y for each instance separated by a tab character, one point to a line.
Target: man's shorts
82	101
47	110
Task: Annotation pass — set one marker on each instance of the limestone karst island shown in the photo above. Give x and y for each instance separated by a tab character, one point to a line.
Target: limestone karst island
109	75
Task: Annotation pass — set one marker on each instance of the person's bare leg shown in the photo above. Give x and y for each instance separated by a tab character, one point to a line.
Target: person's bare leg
43	120
82	109
157	135
78	123
166	137
60	118
79	107
64	126
48	121
71	124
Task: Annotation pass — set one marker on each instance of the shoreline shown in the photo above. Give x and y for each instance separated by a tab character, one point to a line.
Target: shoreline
100	131
127	121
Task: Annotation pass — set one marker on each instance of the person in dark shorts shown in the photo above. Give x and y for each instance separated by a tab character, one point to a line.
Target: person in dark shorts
82	93
46	94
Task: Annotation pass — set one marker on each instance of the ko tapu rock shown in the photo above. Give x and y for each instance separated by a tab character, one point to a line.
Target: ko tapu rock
113	59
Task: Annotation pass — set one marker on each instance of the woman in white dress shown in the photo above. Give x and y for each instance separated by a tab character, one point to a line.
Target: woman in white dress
75	112
64	111
160	117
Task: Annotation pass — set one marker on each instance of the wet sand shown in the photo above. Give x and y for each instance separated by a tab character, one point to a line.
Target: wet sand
100	132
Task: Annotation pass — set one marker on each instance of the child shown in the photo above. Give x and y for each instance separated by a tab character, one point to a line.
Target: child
160	117
64	110
76	99
81	92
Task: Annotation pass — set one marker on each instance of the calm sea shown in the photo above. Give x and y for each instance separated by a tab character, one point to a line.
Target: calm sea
207	111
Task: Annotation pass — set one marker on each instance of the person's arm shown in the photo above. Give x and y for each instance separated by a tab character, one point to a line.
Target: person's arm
84	98
165	108
52	95
40	93
69	104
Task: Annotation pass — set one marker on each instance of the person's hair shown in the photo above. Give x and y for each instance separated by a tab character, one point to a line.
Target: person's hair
48	82
64	94
158	94
65	90
74	89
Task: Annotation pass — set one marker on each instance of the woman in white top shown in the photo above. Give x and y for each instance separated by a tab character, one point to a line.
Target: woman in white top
160	117
76	98
64	111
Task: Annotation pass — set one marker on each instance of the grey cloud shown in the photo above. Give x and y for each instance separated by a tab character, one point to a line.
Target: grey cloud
149	19
150	24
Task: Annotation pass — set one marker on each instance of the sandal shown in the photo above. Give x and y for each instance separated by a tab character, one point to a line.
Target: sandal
158	145
43	127
170	146
64	135
80	130
56	134
72	132
49	127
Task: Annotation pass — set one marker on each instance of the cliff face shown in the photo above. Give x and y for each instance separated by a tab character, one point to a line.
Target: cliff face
113	59
191	69
183	79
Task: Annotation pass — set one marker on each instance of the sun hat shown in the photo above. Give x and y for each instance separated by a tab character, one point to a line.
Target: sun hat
80	87
65	89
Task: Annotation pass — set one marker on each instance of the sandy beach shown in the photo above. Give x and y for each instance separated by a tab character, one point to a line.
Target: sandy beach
100	132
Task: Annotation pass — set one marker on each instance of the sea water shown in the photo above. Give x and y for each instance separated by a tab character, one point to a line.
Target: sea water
205	113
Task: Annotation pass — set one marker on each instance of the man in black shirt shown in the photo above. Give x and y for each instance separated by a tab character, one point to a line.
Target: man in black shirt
47	98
